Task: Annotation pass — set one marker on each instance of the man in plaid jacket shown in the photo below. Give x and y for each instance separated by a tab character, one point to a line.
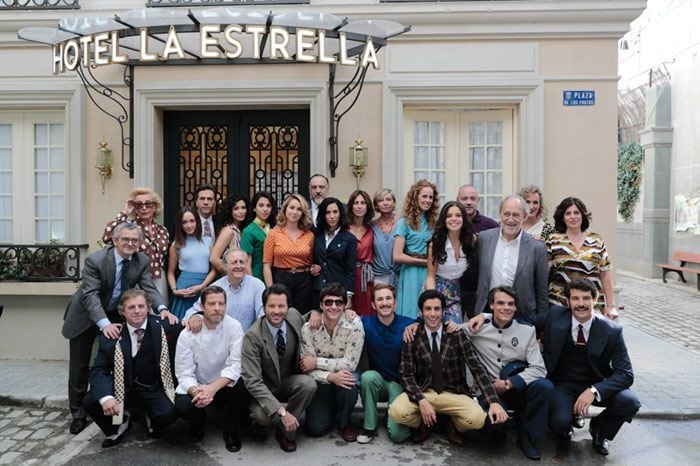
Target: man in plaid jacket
433	376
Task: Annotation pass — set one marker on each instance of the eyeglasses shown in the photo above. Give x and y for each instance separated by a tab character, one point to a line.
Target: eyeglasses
130	240
141	205
333	302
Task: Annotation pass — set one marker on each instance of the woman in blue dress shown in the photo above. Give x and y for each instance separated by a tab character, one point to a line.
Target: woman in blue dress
190	253
384	228
413	232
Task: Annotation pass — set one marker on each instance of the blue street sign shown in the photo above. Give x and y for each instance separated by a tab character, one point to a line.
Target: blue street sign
579	98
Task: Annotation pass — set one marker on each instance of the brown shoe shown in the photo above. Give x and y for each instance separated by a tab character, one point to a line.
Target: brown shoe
420	434
285	444
349	434
453	435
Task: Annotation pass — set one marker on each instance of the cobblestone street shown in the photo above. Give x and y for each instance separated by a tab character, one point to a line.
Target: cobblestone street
31	436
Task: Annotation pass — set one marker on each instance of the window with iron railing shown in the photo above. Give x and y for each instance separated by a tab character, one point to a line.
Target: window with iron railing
39	4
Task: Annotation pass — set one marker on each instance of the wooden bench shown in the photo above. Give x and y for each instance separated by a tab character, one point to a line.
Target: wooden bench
684	258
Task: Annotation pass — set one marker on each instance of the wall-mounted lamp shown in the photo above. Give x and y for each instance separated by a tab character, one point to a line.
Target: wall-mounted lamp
103	162
358	159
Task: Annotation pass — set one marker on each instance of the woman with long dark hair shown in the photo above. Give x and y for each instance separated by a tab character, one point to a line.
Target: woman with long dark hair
254	235
335	249
450	253
190	253
360	214
233	218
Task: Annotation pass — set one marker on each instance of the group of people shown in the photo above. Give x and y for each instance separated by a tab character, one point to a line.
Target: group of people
323	303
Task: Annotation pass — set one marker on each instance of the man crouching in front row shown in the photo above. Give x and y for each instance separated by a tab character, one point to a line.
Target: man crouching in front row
433	375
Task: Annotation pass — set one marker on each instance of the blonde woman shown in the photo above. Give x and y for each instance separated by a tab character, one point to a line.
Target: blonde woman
287	253
144	205
536	223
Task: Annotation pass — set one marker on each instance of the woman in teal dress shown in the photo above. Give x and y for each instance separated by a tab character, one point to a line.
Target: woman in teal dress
413	232
253	236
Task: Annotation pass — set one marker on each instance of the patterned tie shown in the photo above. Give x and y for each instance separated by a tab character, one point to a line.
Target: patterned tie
281	345
124	279
580	339
165	375
207	228
139	338
438	383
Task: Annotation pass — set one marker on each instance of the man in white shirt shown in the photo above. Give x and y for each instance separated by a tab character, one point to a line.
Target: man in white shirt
208	369
205	200
508	256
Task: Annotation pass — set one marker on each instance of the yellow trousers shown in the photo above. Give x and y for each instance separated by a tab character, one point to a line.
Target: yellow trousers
465	412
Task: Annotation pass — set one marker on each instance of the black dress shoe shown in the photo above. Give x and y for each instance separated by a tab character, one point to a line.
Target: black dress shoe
285	444
420	434
600	443
579	422
564	441
528	447
233	442
123	429
77	425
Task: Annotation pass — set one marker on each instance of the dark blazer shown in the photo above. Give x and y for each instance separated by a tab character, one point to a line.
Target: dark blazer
456	355
260	368
337	261
531	281
102	371
88	305
607	352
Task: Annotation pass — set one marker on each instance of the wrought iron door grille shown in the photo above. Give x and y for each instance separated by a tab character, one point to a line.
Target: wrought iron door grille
203	152
273	157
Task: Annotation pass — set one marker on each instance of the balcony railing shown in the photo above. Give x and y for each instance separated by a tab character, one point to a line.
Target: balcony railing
39	5
41	263
191	3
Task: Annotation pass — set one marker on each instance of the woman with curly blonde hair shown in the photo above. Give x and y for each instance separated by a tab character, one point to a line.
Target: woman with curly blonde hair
536	223
144	205
413	232
287	252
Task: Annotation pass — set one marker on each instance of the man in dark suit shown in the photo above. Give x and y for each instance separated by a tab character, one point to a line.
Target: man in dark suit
270	355
93	308
508	256
318	191
433	375
587	360
132	371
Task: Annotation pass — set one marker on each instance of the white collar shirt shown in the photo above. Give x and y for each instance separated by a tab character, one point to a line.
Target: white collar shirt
505	261
430	336
133	337
586	328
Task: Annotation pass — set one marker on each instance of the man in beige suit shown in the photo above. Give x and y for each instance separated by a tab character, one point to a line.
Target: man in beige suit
270	366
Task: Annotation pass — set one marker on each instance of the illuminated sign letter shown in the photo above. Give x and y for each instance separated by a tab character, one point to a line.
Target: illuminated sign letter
257	32
343	44
228	36
205	41
85	47
305	43
369	55
279	40
116	57
172	45
100	48
57	59
71	59
322	58
145	55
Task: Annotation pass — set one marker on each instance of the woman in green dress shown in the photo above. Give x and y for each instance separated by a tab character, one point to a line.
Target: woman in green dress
253	236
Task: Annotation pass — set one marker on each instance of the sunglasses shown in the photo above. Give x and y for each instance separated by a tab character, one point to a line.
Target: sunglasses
333	302
141	205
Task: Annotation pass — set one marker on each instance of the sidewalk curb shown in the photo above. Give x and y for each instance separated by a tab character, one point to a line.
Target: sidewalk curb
52	402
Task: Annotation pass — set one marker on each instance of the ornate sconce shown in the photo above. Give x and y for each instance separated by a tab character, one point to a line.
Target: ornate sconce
358	159
103	162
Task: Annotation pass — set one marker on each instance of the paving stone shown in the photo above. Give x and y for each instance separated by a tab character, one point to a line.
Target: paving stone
10	431
41	434
52	415
6	445
21	435
28	446
10	457
15	413
37	413
4	423
25	421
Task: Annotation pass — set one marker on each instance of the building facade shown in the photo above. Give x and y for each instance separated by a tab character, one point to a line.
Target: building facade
475	92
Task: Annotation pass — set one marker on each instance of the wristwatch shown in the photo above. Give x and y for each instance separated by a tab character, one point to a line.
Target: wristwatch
508	385
282	412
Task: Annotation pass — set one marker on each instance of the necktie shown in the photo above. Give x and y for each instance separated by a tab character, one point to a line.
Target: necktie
281	345
437	365
207	228
139	338
580	339
124	279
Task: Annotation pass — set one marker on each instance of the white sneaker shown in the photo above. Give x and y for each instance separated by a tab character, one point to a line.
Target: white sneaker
366	436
